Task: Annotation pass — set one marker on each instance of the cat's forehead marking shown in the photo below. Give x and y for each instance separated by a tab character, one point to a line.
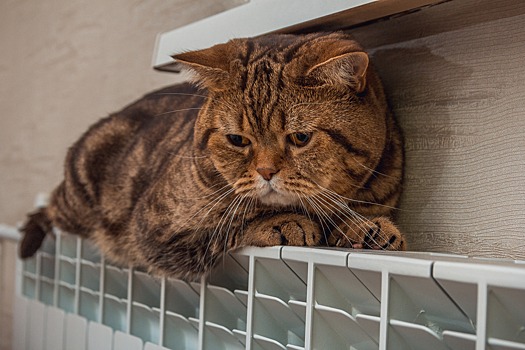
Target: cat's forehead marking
262	94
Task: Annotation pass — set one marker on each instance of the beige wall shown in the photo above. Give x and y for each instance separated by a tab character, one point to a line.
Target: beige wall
7	290
63	65
454	73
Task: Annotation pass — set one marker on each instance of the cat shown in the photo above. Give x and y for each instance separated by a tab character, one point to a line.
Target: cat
280	140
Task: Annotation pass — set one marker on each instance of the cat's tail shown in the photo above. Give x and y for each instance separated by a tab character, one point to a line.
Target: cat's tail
34	231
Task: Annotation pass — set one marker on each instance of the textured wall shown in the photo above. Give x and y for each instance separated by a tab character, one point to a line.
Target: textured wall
65	64
455	75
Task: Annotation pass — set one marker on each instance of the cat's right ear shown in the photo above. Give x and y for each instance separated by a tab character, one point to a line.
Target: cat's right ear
210	66
346	69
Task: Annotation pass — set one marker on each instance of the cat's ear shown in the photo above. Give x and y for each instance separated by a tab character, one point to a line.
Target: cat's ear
346	69
211	66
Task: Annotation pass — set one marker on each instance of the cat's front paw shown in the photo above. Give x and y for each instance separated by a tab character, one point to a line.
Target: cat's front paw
283	229
378	234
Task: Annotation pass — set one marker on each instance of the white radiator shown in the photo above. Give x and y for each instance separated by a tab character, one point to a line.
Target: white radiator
272	298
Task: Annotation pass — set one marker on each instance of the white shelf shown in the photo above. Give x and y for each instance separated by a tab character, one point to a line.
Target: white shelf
258	17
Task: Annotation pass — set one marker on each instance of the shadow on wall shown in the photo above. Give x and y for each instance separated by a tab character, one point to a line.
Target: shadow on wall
445	17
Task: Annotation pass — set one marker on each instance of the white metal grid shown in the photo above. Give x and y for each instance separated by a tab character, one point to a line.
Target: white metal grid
271	298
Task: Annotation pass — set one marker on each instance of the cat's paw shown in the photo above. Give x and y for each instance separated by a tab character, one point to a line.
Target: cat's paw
283	229
378	234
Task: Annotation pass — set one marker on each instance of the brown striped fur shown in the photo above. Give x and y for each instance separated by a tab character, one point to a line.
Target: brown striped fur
289	140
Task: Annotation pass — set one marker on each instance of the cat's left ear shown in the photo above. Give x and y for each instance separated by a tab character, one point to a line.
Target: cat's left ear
211	66
347	69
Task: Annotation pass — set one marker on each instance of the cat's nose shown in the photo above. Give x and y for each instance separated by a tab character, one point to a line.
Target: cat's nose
267	173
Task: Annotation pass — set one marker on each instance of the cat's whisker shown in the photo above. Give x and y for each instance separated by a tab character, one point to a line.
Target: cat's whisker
373	171
325	202
181	94
249	207
323	217
344	210
371	232
226	104
228	229
358	219
220	196
317	210
229	210
335	210
188	157
212	204
331	198
205	196
357	200
231	213
252	206
327	213
244	185
303	206
317	207
218	232
179	110
243	221
355	217
215	235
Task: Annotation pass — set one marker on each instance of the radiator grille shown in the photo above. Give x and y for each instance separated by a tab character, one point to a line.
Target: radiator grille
271	298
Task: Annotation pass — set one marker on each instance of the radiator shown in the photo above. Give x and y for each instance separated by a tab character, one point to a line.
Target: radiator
274	298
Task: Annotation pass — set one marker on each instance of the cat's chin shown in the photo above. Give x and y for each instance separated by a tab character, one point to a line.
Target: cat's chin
273	198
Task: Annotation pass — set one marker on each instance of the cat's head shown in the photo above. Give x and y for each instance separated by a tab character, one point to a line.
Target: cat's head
289	117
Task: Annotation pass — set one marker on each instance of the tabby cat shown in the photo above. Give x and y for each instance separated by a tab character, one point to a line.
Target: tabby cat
288	140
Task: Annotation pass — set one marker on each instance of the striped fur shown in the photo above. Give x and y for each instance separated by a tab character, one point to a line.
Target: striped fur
288	140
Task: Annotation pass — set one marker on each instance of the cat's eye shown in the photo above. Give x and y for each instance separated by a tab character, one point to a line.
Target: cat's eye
238	140
299	139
